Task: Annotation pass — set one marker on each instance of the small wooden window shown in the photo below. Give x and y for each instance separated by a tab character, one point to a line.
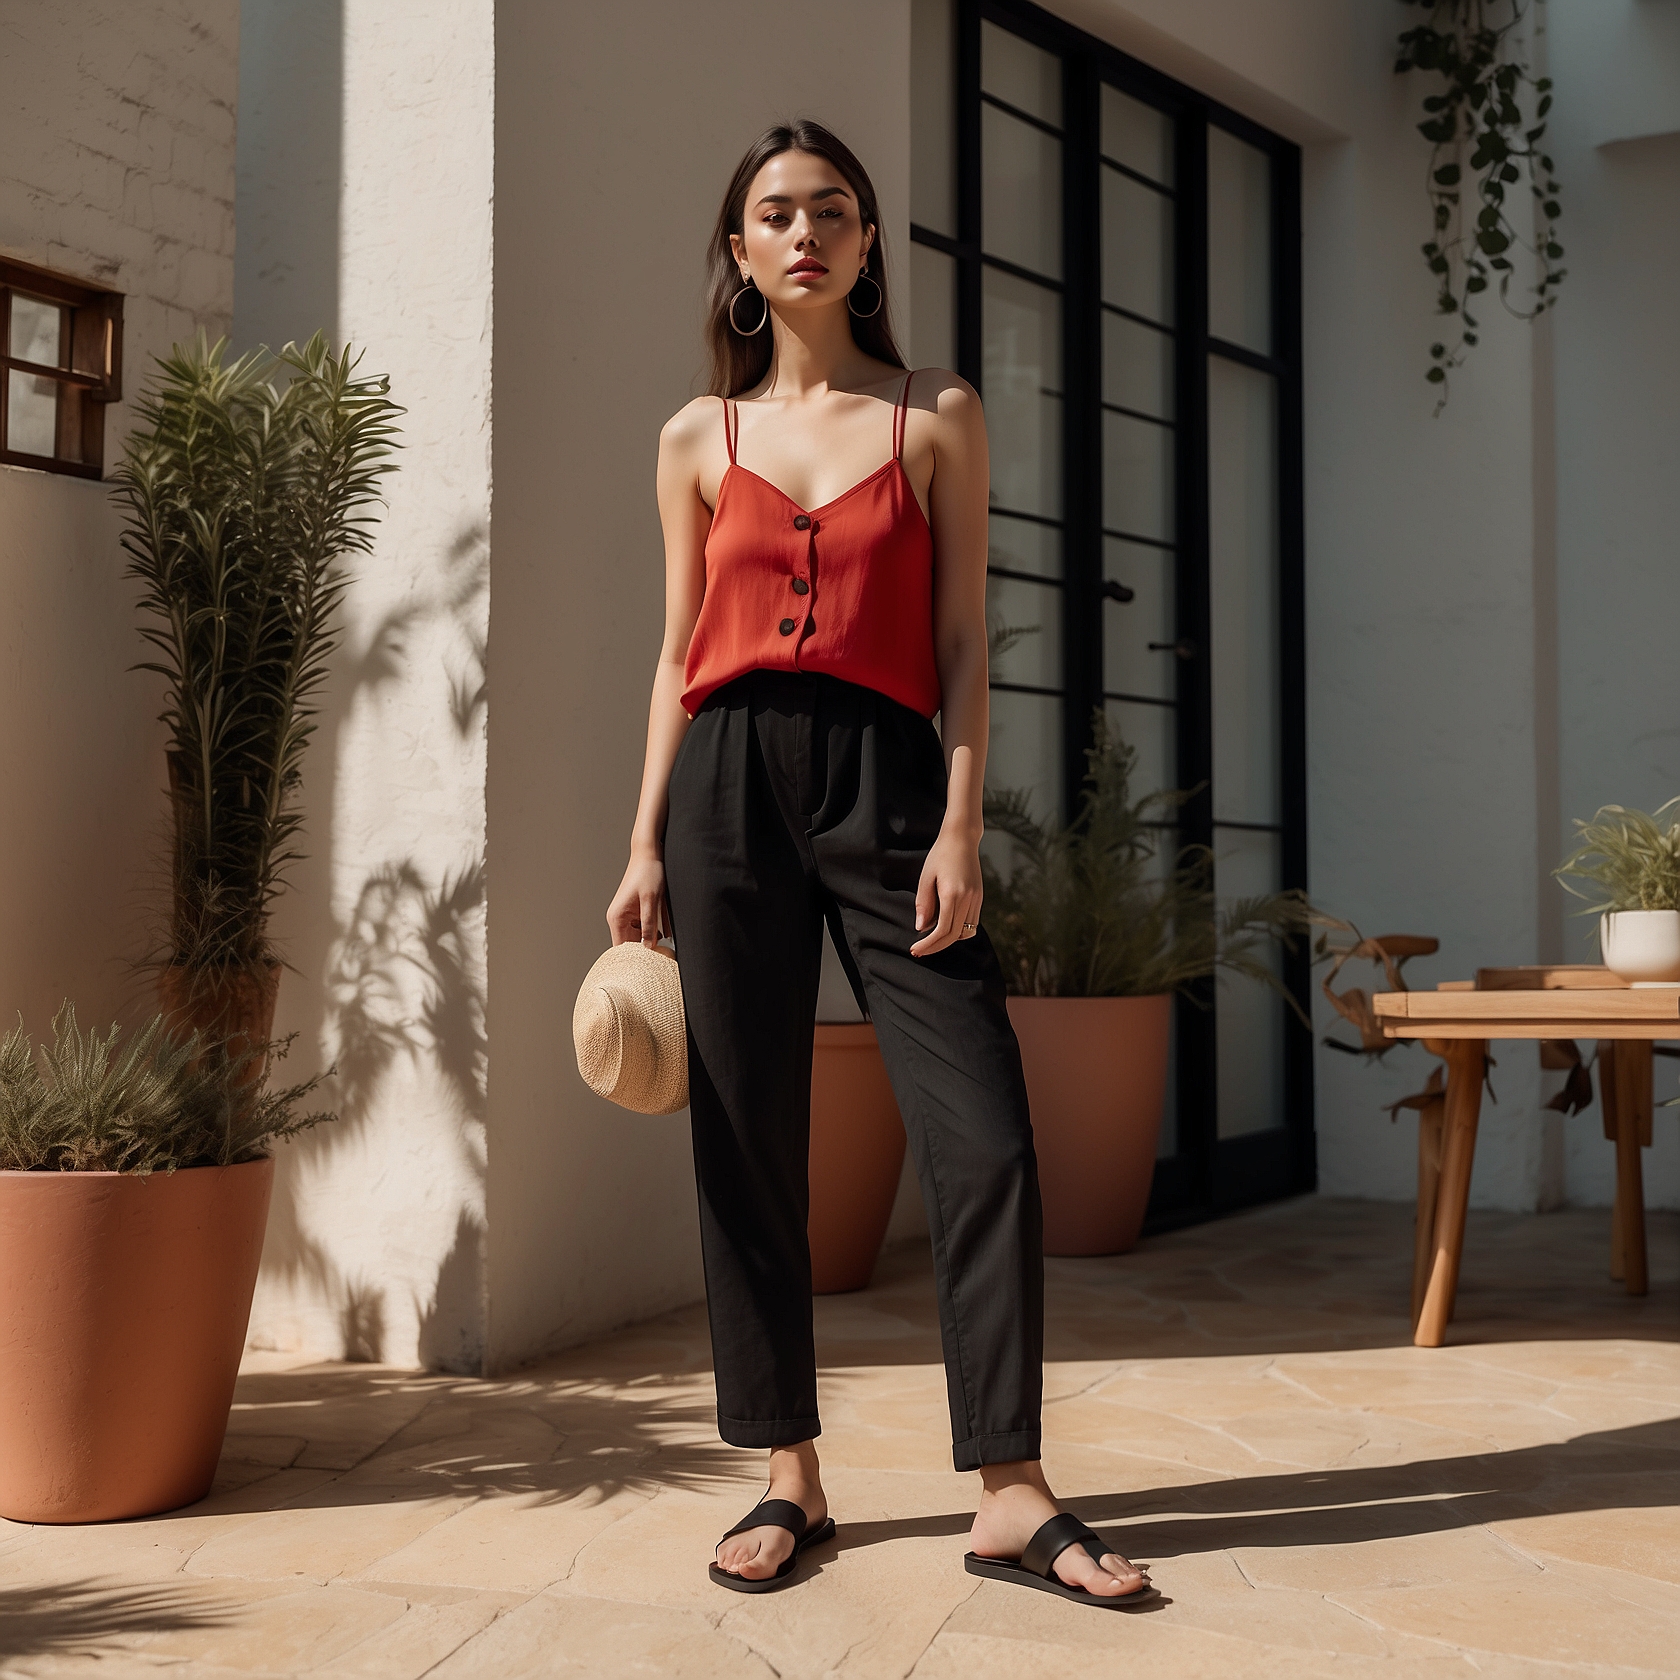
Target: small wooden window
61	361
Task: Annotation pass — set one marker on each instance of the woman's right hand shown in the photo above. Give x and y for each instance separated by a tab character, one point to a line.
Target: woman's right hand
639	909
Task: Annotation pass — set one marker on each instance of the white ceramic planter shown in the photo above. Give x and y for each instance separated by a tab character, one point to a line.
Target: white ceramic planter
1641	945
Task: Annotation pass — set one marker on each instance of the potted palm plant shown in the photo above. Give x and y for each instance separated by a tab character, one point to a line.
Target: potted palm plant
244	486
1629	862
1096	934
134	1185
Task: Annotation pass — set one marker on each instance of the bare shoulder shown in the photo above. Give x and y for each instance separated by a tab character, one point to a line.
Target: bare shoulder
685	434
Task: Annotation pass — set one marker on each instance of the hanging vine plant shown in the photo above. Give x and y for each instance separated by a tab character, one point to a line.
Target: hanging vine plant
1476	48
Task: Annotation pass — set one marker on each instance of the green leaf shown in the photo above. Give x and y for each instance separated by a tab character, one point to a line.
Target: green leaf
1448	175
1435	376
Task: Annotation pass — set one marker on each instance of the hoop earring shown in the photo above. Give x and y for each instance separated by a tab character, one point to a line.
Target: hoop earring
747	332
880	298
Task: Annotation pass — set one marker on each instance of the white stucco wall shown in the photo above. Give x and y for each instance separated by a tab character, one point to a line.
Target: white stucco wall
116	166
365	210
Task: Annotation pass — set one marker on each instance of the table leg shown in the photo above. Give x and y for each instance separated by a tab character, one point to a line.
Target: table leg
1466	1064
1610	1104
1429	1182
1632	1071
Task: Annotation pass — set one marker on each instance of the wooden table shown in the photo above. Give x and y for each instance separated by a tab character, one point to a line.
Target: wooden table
1457	1022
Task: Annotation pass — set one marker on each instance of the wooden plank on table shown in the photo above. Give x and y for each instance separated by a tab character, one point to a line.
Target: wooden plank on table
1550	977
1598	1027
1538	1006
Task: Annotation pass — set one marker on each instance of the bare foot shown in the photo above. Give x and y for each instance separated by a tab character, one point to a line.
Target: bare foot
759	1552
1015	1504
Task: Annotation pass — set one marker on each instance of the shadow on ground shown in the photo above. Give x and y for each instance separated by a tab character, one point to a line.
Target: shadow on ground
82	1618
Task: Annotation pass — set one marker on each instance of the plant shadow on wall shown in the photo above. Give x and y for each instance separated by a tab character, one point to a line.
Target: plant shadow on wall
404	985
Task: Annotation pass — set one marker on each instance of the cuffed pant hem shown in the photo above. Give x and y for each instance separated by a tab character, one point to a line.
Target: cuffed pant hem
996	1449
768	1432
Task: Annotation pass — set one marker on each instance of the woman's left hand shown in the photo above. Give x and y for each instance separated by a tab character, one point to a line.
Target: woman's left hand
948	896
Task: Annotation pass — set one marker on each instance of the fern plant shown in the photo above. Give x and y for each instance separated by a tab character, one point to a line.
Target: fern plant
1630	857
243	487
1092	908
152	1103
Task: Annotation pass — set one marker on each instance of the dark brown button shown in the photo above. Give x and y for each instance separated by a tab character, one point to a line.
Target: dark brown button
801	587
802	522
787	627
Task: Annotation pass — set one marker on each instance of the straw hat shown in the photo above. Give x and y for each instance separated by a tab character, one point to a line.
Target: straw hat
632	1047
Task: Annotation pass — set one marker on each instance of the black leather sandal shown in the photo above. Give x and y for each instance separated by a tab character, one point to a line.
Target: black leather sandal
773	1513
1037	1565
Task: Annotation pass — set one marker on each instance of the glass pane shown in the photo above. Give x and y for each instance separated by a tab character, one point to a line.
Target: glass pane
1239	242
1137	366
1025	750
933	308
1136	247
37	332
1153	731
1025	546
1137	477
1022	383
1021	193
933	173
1130	665
1025	76
31	413
1249	1015
1243	584
1034	610
1137	135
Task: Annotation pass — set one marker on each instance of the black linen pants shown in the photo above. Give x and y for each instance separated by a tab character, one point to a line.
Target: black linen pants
797	798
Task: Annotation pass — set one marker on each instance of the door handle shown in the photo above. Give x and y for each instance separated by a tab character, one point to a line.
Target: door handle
1185	649
1118	592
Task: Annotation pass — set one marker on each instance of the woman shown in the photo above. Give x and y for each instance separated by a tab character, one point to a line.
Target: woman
825	536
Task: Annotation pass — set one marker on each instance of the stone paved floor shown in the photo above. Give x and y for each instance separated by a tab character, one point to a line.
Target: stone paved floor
1239	1404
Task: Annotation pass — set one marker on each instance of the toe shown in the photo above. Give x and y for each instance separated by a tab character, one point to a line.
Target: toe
764	1555
1113	1578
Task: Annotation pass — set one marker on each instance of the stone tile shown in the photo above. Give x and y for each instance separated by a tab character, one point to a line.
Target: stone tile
280	1631
429	1630
1237	1405
560	1634
340	1532
521	1543
345	1412
1639	1539
1562	1614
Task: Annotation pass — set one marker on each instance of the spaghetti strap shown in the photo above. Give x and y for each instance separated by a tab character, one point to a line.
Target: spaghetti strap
900	411
730	435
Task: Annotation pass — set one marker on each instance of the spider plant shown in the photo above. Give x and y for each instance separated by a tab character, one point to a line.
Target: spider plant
154	1103
243	487
1092	908
1628	859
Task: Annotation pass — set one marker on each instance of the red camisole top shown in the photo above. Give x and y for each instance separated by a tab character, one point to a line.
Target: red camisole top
845	589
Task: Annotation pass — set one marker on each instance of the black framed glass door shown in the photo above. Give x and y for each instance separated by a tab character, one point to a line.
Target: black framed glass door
1112	259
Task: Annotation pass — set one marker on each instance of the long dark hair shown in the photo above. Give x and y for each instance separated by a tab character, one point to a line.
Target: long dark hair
739	363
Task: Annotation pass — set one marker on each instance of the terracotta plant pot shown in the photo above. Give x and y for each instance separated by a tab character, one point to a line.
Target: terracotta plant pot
1097	1079
857	1154
123	1308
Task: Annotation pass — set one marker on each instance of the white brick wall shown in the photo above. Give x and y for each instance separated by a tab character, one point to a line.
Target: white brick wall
116	165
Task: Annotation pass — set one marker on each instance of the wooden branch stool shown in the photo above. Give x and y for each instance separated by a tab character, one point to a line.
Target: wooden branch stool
1457	1022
